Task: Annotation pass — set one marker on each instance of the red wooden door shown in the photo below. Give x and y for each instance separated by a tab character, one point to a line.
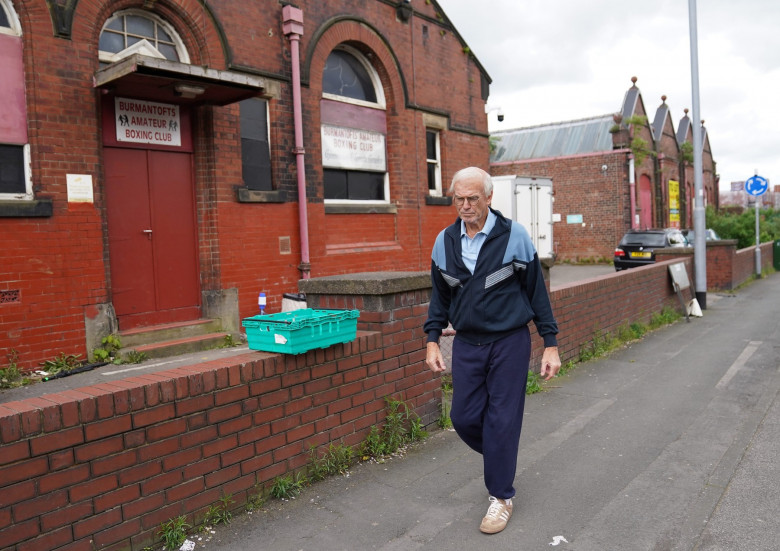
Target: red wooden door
151	236
645	203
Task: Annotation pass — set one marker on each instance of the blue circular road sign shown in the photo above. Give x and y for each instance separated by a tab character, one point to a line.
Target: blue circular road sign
756	185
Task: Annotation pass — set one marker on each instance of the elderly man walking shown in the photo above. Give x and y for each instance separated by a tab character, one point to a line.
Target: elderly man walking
488	283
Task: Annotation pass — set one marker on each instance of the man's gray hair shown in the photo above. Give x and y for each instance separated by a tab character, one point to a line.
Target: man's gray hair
473	172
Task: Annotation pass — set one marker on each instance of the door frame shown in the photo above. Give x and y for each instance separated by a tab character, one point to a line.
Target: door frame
110	141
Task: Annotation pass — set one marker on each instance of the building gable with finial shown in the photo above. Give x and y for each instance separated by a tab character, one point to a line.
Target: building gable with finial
609	173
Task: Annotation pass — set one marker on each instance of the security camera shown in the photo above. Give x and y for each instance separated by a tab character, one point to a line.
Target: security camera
490	108
604	168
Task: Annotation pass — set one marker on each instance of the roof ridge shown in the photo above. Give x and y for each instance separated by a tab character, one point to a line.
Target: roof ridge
558	123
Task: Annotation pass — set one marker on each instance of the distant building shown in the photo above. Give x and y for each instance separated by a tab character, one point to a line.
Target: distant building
610	173
737	196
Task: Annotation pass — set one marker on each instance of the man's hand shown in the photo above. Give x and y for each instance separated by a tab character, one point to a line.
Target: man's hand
434	359
551	362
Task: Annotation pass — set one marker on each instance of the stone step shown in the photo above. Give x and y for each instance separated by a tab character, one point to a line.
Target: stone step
175	347
168	331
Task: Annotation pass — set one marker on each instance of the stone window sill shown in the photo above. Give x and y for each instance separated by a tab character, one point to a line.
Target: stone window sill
40	208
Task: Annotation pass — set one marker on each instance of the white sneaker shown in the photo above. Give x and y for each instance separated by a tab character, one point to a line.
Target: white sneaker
498	514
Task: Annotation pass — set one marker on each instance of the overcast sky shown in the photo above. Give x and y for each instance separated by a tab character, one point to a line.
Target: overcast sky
558	60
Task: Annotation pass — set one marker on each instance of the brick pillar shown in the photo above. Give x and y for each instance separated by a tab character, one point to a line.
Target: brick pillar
394	304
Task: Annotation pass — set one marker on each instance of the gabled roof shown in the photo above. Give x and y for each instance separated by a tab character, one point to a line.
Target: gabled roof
661	115
684	130
562	139
629	102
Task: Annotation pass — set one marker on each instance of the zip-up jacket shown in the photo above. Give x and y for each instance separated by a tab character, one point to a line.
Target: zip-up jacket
504	294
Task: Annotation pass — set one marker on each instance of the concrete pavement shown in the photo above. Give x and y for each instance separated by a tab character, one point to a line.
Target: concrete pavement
668	444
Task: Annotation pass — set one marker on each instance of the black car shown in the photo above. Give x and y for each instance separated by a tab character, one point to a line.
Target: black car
637	248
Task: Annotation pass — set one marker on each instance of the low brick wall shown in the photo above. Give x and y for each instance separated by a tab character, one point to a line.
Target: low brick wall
727	267
744	263
604	304
101	467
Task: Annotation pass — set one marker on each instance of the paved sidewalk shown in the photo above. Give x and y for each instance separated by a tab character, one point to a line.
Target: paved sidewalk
669	444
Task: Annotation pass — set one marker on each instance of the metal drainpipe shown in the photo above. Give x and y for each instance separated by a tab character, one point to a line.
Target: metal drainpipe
292	18
632	191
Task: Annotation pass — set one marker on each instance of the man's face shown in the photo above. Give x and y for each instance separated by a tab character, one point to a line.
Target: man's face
469	199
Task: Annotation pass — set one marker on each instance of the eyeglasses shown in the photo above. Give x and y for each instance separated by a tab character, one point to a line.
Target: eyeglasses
473	200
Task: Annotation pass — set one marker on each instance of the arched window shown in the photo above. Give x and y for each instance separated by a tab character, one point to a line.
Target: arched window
345	76
354	129
135	31
9	23
15	180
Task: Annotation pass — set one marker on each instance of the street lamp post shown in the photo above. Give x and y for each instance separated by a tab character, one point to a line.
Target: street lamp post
699	224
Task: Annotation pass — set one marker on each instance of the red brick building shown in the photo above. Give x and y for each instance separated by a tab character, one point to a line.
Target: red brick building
155	155
609	173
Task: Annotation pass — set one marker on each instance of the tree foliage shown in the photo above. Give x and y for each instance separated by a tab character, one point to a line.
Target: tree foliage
741	226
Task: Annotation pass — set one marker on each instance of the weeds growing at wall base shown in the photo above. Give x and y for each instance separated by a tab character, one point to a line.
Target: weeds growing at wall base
174	532
604	343
402	426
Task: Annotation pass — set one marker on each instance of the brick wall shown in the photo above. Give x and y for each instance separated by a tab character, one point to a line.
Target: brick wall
108	463
580	186
604	305
100	467
727	267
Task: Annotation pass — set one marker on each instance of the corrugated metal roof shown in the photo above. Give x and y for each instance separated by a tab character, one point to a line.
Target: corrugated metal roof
561	139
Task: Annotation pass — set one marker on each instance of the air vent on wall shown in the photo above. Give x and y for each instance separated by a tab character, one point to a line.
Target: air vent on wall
9	296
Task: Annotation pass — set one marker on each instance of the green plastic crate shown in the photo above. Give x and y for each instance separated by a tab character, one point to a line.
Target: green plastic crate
301	330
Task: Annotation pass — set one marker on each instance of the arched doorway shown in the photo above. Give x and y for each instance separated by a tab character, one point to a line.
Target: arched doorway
645	202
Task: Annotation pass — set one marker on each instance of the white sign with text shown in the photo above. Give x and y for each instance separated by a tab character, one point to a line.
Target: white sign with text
140	121
353	149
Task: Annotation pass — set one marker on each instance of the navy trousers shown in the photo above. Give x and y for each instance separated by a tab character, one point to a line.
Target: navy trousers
488	383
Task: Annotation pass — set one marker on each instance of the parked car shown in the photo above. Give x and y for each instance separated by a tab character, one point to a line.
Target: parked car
637	248
710	235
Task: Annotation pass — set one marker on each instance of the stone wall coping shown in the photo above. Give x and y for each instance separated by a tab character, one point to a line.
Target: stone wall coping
366	283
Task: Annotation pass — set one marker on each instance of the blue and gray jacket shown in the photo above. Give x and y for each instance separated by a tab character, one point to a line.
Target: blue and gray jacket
505	292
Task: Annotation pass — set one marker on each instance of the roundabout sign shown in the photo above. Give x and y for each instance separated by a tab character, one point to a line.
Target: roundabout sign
756	185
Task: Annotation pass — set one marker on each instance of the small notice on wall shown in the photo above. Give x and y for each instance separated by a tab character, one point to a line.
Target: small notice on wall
148	122
353	149
79	188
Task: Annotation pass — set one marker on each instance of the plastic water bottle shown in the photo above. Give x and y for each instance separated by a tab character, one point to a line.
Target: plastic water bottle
261	303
